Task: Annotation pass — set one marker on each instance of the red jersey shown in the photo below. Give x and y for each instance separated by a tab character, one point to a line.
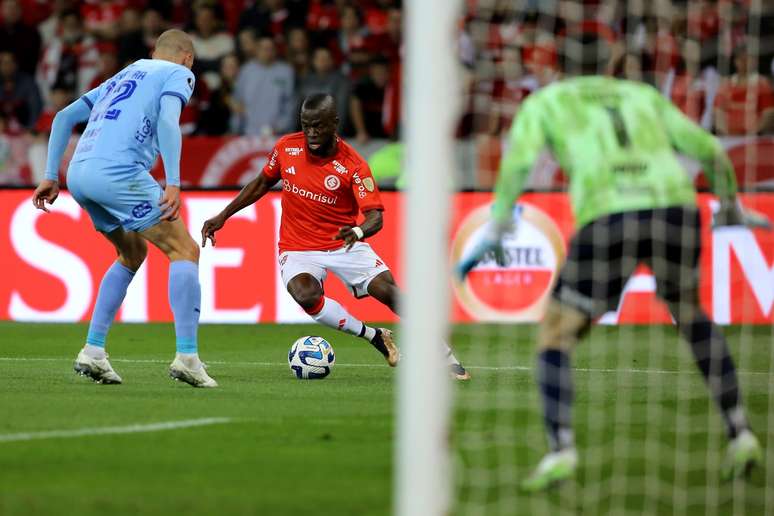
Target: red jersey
319	195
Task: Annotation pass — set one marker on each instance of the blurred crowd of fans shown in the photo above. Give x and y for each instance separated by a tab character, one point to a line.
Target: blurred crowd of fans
255	60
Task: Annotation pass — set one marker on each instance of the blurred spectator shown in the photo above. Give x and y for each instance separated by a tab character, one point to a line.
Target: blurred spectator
59	98
298	53
326	79
388	43
192	116
352	35
72	58
264	93
509	89
100	17
210	43
322	16
138	44
273	17
745	101
108	65
298	40
19	97
246	43
367	102
13	156
50	26
18	38
217	118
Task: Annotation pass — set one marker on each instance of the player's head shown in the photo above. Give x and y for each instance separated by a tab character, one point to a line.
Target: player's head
584	54
176	46
319	121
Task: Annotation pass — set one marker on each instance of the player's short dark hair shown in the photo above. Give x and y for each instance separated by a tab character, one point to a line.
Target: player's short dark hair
318	101
584	54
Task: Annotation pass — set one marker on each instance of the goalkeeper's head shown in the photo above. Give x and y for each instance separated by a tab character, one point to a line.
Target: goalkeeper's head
584	54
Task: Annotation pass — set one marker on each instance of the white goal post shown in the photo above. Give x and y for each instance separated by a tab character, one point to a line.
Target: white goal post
430	98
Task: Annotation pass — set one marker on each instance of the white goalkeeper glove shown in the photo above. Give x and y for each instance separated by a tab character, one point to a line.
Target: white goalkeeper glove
490	244
732	213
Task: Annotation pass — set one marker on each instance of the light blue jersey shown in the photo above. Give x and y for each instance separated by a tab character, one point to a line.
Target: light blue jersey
109	174
124	112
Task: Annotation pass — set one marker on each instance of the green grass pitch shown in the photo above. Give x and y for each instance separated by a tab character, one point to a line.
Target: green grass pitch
293	447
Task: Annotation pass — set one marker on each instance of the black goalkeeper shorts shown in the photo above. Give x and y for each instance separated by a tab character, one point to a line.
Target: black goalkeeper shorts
604	253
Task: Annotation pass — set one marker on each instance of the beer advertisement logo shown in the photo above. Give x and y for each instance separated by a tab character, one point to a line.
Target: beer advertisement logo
332	182
519	291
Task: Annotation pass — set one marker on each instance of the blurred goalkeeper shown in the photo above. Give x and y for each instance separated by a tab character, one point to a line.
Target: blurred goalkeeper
634	203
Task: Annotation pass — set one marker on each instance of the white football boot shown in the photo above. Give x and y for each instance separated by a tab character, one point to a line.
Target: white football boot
194	377
98	370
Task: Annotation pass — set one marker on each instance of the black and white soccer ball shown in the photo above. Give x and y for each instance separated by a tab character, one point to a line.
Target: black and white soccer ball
311	358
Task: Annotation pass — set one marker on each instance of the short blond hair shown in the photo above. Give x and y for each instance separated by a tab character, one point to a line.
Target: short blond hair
173	41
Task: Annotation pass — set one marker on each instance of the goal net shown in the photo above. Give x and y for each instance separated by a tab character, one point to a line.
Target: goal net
650	438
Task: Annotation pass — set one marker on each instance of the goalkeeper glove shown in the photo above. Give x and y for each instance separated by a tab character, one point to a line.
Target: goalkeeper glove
731	213
489	245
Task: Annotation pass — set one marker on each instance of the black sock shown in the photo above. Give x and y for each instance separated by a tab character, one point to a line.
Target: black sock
710	353
554	378
377	341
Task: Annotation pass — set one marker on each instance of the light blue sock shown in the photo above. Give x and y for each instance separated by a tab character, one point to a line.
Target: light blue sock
185	299
111	294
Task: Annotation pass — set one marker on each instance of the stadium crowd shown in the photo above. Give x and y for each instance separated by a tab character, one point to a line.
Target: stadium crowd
255	60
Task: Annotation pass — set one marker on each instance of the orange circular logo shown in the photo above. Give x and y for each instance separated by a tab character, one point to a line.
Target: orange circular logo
517	292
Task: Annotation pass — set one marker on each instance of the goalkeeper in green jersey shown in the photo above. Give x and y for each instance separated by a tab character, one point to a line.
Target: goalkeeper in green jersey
634	203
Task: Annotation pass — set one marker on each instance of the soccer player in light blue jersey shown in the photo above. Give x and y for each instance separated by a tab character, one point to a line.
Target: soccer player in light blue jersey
132	117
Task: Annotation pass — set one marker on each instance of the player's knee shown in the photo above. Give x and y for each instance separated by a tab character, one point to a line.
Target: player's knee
188	250
561	328
307	298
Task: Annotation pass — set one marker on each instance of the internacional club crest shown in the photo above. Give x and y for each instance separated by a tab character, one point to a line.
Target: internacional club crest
332	182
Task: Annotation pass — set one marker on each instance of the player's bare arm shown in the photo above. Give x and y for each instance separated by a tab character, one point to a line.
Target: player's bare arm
371	225
250	194
61	129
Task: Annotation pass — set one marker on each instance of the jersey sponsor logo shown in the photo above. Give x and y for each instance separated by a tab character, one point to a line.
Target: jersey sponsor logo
361	189
369	184
518	291
294	151
306	194
141	210
332	183
291	171
341	169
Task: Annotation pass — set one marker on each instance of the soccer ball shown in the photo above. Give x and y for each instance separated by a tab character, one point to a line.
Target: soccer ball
311	358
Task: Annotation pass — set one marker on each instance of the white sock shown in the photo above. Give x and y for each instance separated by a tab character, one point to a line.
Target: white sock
95	352
336	316
191	360
450	358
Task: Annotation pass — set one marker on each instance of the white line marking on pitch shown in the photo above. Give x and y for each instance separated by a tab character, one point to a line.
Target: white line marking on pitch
339	364
105	430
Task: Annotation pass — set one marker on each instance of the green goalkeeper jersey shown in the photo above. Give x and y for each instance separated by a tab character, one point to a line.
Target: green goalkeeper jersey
616	141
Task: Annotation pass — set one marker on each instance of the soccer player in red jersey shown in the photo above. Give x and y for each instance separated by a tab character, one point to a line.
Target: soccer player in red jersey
325	183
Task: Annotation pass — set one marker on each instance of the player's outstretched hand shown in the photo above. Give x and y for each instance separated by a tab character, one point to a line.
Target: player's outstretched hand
209	228
46	192
170	203
348	235
734	214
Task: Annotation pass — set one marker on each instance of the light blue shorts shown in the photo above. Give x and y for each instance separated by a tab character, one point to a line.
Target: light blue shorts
115	195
